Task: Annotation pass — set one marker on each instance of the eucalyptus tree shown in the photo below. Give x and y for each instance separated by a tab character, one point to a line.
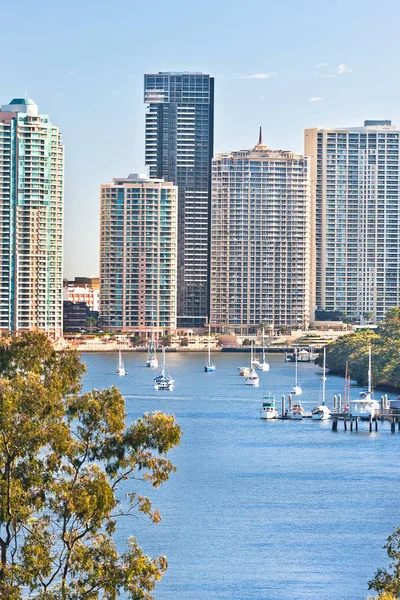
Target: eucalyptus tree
63	458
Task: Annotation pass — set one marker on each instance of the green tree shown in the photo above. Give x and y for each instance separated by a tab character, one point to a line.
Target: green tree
387	581
91	323
184	342
63	458
166	340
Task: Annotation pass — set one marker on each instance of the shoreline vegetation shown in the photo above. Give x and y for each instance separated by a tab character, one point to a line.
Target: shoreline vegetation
353	348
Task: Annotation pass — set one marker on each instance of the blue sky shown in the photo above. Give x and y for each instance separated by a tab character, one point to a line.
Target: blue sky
283	65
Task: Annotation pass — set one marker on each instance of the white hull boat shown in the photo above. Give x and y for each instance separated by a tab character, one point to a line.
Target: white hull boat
244	371
365	407
120	368
263	365
209	367
268	409
252	379
163	381
296	389
322	412
152	360
296	411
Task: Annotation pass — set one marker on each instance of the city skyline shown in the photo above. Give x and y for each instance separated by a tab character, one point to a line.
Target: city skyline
284	85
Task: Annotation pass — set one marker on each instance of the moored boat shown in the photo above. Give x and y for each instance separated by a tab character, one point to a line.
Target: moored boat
163	381
252	379
120	368
263	365
296	389
296	411
366	406
268	409
209	367
322	412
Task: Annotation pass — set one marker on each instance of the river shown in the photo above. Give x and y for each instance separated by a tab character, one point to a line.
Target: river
259	510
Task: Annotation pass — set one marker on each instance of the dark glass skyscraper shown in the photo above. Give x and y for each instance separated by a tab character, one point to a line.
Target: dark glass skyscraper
179	148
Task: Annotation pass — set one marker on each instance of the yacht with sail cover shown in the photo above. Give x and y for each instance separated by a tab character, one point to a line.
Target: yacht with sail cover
268	409
209	367
263	365
120	368
163	381
322	412
252	378
296	389
365	407
152	360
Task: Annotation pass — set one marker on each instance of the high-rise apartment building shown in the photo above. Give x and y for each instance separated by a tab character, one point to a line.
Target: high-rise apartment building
138	250
31	220
179	148
260	240
356	202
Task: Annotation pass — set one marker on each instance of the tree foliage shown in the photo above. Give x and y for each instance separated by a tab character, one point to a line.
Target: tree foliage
387	581
63	458
353	348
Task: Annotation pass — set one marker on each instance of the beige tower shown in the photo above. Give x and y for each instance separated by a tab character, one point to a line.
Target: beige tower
260	240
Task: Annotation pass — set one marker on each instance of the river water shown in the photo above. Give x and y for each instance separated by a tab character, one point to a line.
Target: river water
259	510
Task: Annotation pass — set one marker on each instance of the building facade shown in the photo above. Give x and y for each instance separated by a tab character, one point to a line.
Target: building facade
82	293
179	148
31	220
356	201
260	240
138	255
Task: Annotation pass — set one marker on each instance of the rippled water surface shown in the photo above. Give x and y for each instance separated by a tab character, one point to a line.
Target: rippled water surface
259	510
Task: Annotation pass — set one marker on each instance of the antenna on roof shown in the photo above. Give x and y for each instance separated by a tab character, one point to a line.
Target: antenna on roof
260	136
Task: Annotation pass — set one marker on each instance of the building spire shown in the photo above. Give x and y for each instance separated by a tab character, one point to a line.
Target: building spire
260	145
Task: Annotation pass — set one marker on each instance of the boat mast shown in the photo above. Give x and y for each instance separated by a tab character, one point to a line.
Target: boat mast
345	399
251	354
209	348
369	371
120	360
163	363
263	352
295	360
324	379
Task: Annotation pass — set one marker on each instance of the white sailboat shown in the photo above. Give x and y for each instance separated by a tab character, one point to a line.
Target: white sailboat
120	368
365	407
152	360
209	367
268	409
252	378
296	389
263	365
163	381
322	412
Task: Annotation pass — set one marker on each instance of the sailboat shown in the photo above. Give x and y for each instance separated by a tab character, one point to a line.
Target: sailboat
263	365
346	395
252	377
209	367
120	368
163	381
296	389
322	412
365	407
152	360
